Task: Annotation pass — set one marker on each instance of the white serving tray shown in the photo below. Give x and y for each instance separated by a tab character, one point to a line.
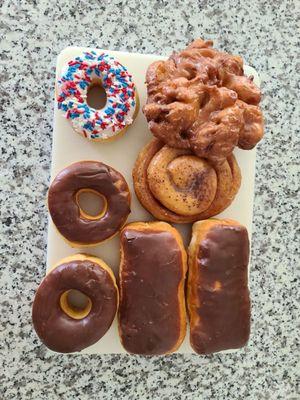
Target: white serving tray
69	147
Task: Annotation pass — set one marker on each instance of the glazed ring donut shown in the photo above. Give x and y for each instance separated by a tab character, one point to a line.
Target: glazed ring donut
61	326
121	106
176	186
78	228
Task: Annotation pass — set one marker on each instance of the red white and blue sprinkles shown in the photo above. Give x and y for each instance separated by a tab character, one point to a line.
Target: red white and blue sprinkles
120	91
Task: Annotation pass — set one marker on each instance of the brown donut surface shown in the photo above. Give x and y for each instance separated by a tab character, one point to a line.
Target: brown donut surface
74	225
56	329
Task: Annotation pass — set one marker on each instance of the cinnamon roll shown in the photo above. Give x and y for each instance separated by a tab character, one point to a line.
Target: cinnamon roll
176	186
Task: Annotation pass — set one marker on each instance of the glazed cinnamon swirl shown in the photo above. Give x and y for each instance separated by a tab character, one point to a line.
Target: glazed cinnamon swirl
176	186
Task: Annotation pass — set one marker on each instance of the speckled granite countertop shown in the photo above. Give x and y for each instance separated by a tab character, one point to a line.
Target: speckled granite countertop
33	32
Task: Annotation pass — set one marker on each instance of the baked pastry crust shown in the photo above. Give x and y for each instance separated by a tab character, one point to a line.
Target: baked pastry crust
176	186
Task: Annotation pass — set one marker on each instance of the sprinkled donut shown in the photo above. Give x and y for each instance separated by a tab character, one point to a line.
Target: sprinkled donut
121	105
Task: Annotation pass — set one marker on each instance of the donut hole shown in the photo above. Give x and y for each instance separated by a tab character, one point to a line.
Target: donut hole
92	204
96	96
75	304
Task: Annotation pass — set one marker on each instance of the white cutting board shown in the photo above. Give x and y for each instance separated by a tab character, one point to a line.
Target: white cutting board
69	147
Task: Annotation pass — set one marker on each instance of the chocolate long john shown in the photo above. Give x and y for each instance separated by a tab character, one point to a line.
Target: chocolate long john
152	318
218	296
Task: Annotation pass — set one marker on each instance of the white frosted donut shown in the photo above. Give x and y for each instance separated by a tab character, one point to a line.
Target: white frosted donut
119	110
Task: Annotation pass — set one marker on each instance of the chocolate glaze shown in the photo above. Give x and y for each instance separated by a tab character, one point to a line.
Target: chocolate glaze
57	330
149	314
224	322
65	212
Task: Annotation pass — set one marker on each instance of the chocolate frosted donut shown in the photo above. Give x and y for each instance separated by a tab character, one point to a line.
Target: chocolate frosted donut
73	224
66	329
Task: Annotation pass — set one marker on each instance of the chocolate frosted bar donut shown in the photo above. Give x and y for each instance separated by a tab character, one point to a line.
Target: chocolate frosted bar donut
152	318
218	296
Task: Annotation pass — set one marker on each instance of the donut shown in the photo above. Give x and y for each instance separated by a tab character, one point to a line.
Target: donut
176	186
63	327
121	106
217	291
152	317
78	228
200	99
